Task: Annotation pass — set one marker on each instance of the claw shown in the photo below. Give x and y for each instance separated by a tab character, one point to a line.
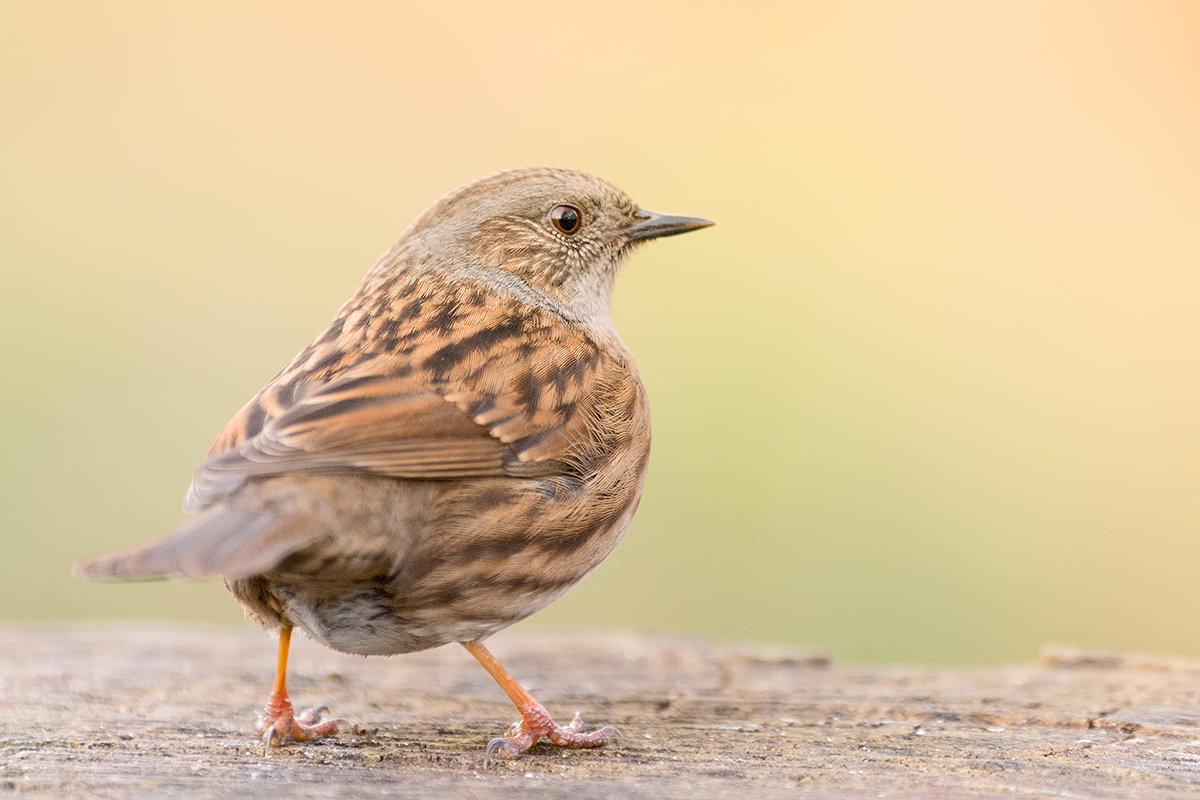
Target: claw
270	737
500	743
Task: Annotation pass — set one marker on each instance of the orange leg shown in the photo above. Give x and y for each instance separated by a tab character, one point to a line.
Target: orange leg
278	722
535	720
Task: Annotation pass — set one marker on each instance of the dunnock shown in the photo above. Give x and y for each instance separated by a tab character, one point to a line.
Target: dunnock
465	442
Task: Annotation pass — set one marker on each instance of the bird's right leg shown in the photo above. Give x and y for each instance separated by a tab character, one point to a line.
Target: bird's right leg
535	721
278	722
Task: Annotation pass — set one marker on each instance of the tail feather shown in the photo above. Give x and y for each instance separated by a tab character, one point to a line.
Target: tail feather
232	544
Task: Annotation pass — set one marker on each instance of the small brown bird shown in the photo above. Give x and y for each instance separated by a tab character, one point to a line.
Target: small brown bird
465	442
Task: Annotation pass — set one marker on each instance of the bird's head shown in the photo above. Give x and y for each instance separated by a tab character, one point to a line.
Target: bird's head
560	232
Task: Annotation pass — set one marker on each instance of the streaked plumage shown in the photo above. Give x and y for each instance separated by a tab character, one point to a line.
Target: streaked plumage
465	441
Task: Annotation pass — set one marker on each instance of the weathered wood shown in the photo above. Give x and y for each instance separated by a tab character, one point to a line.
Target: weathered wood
115	710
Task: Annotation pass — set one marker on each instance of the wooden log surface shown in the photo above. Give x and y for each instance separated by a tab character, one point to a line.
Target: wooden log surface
114	710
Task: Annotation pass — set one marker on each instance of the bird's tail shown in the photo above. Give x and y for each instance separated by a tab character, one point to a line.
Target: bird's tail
229	543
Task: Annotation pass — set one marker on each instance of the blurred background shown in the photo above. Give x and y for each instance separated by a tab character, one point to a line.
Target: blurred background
929	393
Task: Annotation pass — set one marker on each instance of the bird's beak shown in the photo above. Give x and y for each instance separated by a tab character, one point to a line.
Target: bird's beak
652	225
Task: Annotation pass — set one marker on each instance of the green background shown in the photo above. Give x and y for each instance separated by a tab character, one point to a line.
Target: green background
928	393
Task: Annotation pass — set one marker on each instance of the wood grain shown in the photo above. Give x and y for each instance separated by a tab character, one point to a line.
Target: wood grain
142	709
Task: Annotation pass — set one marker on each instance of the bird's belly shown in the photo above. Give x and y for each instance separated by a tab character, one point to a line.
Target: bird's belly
378	588
364	622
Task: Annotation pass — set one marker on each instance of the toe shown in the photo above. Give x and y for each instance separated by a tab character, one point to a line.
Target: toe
313	715
509	747
572	737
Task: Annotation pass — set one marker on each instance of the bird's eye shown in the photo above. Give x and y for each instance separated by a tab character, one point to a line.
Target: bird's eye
565	218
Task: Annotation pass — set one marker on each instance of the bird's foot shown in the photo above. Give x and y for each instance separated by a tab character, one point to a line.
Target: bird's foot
277	722
536	723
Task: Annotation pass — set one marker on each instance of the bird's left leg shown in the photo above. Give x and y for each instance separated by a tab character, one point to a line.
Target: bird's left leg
535	720
278	722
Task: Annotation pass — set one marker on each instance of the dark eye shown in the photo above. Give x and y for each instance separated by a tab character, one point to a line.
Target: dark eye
565	218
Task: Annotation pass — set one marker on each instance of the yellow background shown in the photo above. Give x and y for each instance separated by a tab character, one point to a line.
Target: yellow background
930	392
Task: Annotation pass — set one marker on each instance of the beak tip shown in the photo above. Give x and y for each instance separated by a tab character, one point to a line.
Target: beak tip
655	225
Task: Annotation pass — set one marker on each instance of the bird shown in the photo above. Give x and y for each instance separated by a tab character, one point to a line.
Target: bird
465	441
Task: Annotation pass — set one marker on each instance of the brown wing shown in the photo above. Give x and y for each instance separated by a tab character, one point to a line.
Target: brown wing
446	381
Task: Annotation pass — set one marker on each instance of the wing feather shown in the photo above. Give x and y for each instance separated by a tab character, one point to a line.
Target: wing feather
495	387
